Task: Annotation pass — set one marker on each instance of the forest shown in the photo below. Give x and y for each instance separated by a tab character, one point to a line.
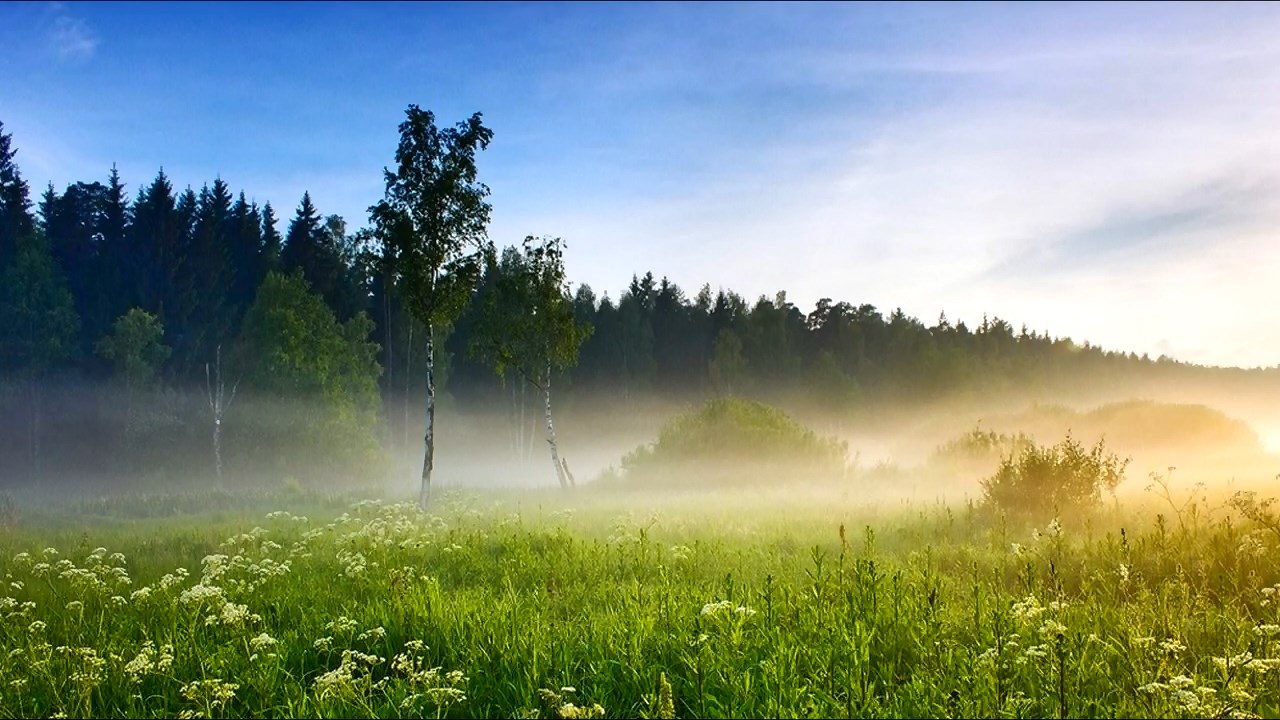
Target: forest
136	323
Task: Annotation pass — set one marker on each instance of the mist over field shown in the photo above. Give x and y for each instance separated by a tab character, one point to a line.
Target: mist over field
629	360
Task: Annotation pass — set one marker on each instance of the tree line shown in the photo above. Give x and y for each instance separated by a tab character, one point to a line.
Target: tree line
132	325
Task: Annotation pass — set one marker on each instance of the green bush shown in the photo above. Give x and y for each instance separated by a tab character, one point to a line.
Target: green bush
1041	481
731	441
978	450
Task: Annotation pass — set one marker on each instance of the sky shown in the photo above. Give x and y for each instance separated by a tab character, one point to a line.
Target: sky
1107	172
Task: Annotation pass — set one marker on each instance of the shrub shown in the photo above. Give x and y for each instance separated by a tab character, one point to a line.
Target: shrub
730	440
1039	481
978	450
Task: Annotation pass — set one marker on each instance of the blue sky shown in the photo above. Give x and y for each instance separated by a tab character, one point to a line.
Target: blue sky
1105	171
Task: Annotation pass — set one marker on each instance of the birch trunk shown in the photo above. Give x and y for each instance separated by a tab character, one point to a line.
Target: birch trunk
551	434
217	447
424	496
408	373
218	404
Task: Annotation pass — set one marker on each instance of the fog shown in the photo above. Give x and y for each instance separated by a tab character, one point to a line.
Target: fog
1223	430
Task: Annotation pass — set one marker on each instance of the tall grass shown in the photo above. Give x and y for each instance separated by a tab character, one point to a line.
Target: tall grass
504	607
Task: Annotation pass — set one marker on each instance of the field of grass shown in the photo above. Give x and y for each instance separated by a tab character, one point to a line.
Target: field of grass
617	605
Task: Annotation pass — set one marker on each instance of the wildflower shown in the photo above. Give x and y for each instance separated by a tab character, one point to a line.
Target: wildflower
1124	573
441	696
142	664
36	626
1266	630
1027	609
262	642
235	615
199	593
343	624
1172	646
1051	628
75	606
210	692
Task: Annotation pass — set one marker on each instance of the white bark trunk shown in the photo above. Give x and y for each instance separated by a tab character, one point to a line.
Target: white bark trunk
424	496
551	435
218	404
217	448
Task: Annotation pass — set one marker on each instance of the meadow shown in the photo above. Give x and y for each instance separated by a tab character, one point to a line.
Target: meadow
765	603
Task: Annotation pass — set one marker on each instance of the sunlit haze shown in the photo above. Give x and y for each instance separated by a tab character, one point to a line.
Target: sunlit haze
1105	172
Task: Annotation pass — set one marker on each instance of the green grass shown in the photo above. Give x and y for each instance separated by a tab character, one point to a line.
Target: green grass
765	605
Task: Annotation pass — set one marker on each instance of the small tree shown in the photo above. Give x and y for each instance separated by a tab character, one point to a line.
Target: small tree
434	216
1036	481
136	349
321	377
527	324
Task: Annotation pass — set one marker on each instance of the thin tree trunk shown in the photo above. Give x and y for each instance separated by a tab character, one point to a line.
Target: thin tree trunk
217	448
424	496
389	337
524	424
551	435
218	404
531	424
408	374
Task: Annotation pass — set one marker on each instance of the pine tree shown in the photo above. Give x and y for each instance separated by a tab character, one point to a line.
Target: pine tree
269	257
16	221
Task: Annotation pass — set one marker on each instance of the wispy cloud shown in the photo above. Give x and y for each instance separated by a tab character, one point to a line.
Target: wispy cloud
70	37
1096	175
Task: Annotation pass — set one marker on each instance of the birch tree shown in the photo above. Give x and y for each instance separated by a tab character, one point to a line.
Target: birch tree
219	402
527	325
435	217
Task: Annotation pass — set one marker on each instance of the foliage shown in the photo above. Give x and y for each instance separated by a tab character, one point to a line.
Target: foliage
526	321
1157	425
1041	481
727	368
38	320
135	347
730	440
293	348
434	216
16	223
979	449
